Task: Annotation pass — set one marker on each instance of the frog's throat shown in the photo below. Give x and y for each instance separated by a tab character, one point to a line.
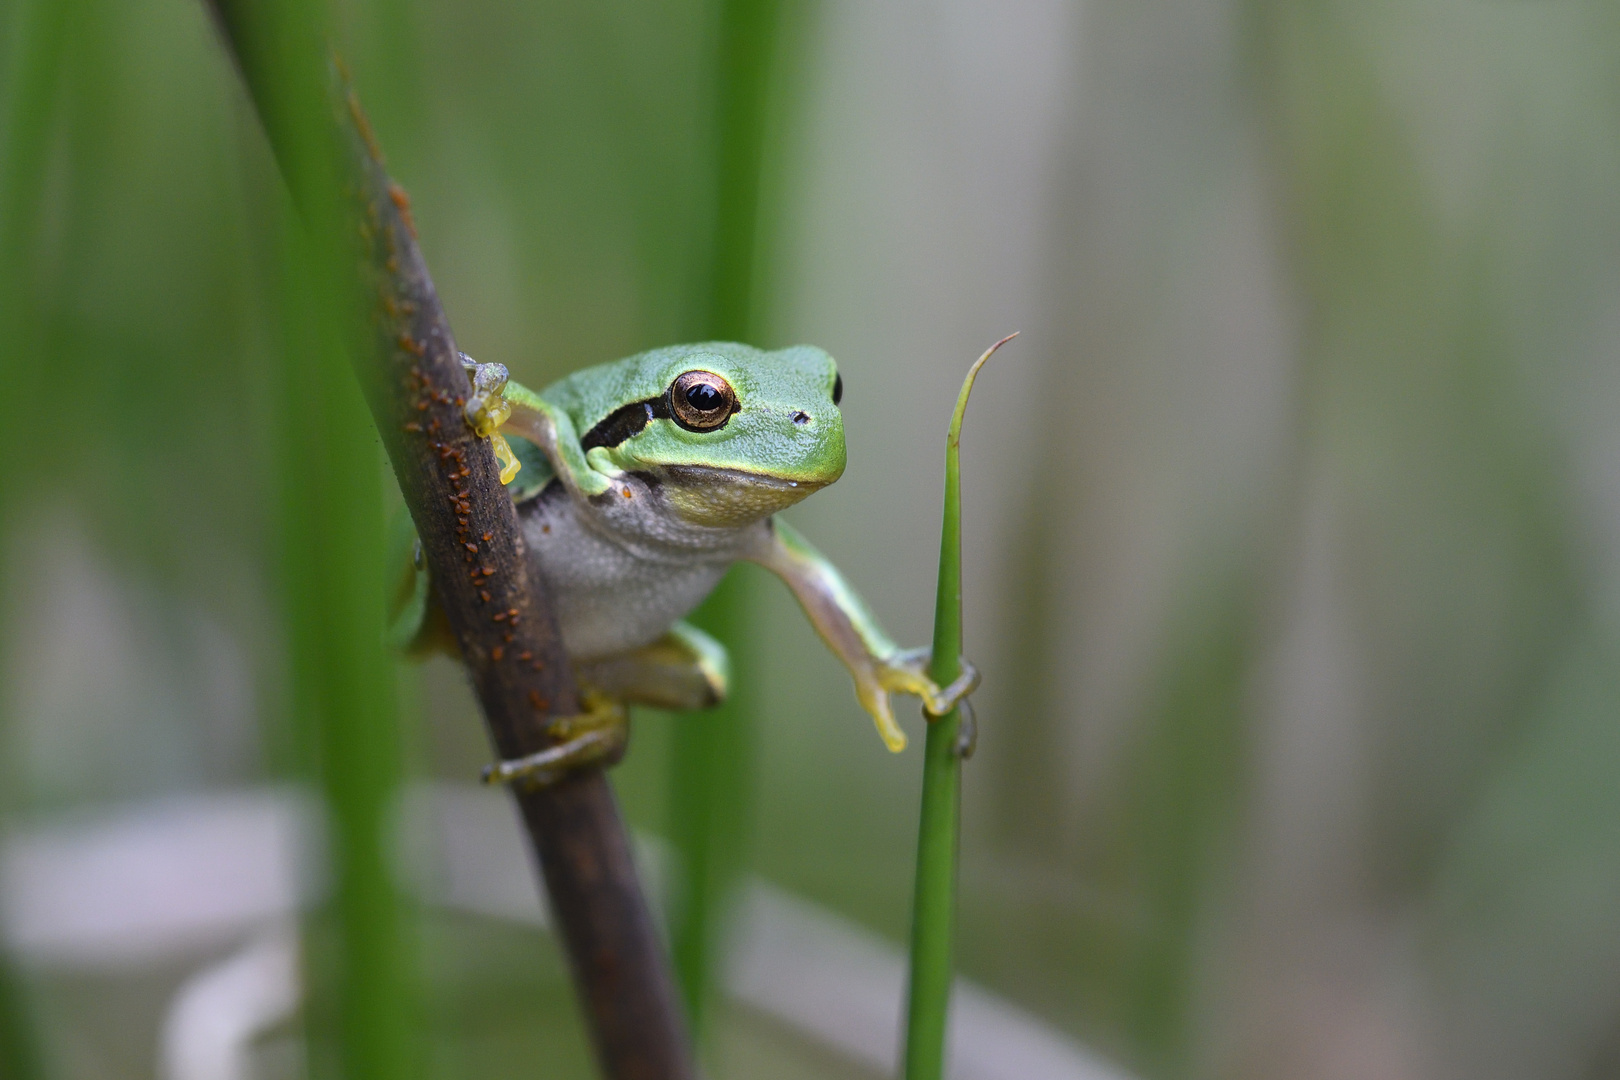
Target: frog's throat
729	498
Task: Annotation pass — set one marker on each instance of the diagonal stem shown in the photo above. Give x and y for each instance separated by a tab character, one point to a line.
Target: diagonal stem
370	268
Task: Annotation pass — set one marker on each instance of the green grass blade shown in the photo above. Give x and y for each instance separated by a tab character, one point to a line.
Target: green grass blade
710	796
934	901
36	33
361	962
364	1006
21	1056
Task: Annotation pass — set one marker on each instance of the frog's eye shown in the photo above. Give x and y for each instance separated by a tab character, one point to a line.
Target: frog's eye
838	389
701	400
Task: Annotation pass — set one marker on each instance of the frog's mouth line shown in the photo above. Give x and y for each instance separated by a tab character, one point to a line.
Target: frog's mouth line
706	475
728	498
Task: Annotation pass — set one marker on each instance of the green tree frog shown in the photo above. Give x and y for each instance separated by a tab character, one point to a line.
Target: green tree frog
637	484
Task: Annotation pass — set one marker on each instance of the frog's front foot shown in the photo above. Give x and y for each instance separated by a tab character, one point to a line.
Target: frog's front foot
487	409
910	675
906	672
596	736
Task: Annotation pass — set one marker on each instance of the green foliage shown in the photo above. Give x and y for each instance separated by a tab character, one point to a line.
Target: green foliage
711	783
933	921
1295	612
364	994
362	947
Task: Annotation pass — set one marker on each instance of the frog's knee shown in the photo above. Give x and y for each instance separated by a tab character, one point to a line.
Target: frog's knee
706	657
416	622
684	669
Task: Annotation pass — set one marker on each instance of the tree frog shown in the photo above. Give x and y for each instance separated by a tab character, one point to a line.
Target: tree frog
637	484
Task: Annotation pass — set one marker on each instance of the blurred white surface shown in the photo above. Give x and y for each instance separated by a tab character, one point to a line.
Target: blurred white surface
145	883
218	1012
150	881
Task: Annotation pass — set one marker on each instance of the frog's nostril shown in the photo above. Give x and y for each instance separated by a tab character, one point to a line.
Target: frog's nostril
801	417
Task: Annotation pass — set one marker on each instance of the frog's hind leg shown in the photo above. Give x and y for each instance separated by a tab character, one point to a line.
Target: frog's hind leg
416	623
597	736
684	669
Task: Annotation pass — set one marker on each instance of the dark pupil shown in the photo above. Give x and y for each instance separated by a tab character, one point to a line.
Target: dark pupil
703	397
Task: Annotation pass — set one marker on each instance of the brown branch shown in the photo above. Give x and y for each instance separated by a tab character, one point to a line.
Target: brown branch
415	384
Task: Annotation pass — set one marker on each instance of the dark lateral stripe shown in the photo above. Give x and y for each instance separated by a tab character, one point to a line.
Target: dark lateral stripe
623	422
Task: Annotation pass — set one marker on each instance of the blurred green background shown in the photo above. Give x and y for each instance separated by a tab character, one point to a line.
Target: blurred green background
1291	518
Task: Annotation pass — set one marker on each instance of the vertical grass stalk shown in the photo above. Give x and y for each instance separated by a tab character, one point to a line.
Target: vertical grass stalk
933	915
710	761
36	32
361	967
364	995
370	288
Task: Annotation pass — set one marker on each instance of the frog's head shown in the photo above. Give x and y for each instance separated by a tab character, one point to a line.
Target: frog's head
730	433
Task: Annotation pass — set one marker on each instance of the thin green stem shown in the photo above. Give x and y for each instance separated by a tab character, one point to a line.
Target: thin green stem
21	1056
365	998
365	994
934	901
37	33
710	796
710	763
748	51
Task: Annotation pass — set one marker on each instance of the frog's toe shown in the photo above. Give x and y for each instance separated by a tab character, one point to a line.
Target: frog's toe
906	672
598	736
486	409
508	461
967	735
875	700
944	700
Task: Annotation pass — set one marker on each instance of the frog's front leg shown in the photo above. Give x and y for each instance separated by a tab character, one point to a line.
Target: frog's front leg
878	666
497	402
599	735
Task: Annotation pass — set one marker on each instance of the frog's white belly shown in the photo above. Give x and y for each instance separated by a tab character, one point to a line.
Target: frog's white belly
612	596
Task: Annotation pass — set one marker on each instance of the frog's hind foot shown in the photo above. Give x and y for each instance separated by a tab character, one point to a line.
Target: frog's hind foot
597	736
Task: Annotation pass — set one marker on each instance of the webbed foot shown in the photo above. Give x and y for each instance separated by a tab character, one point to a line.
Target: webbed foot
487	409
906	672
598	735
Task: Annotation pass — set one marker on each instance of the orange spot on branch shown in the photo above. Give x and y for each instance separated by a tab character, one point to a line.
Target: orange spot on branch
402	203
